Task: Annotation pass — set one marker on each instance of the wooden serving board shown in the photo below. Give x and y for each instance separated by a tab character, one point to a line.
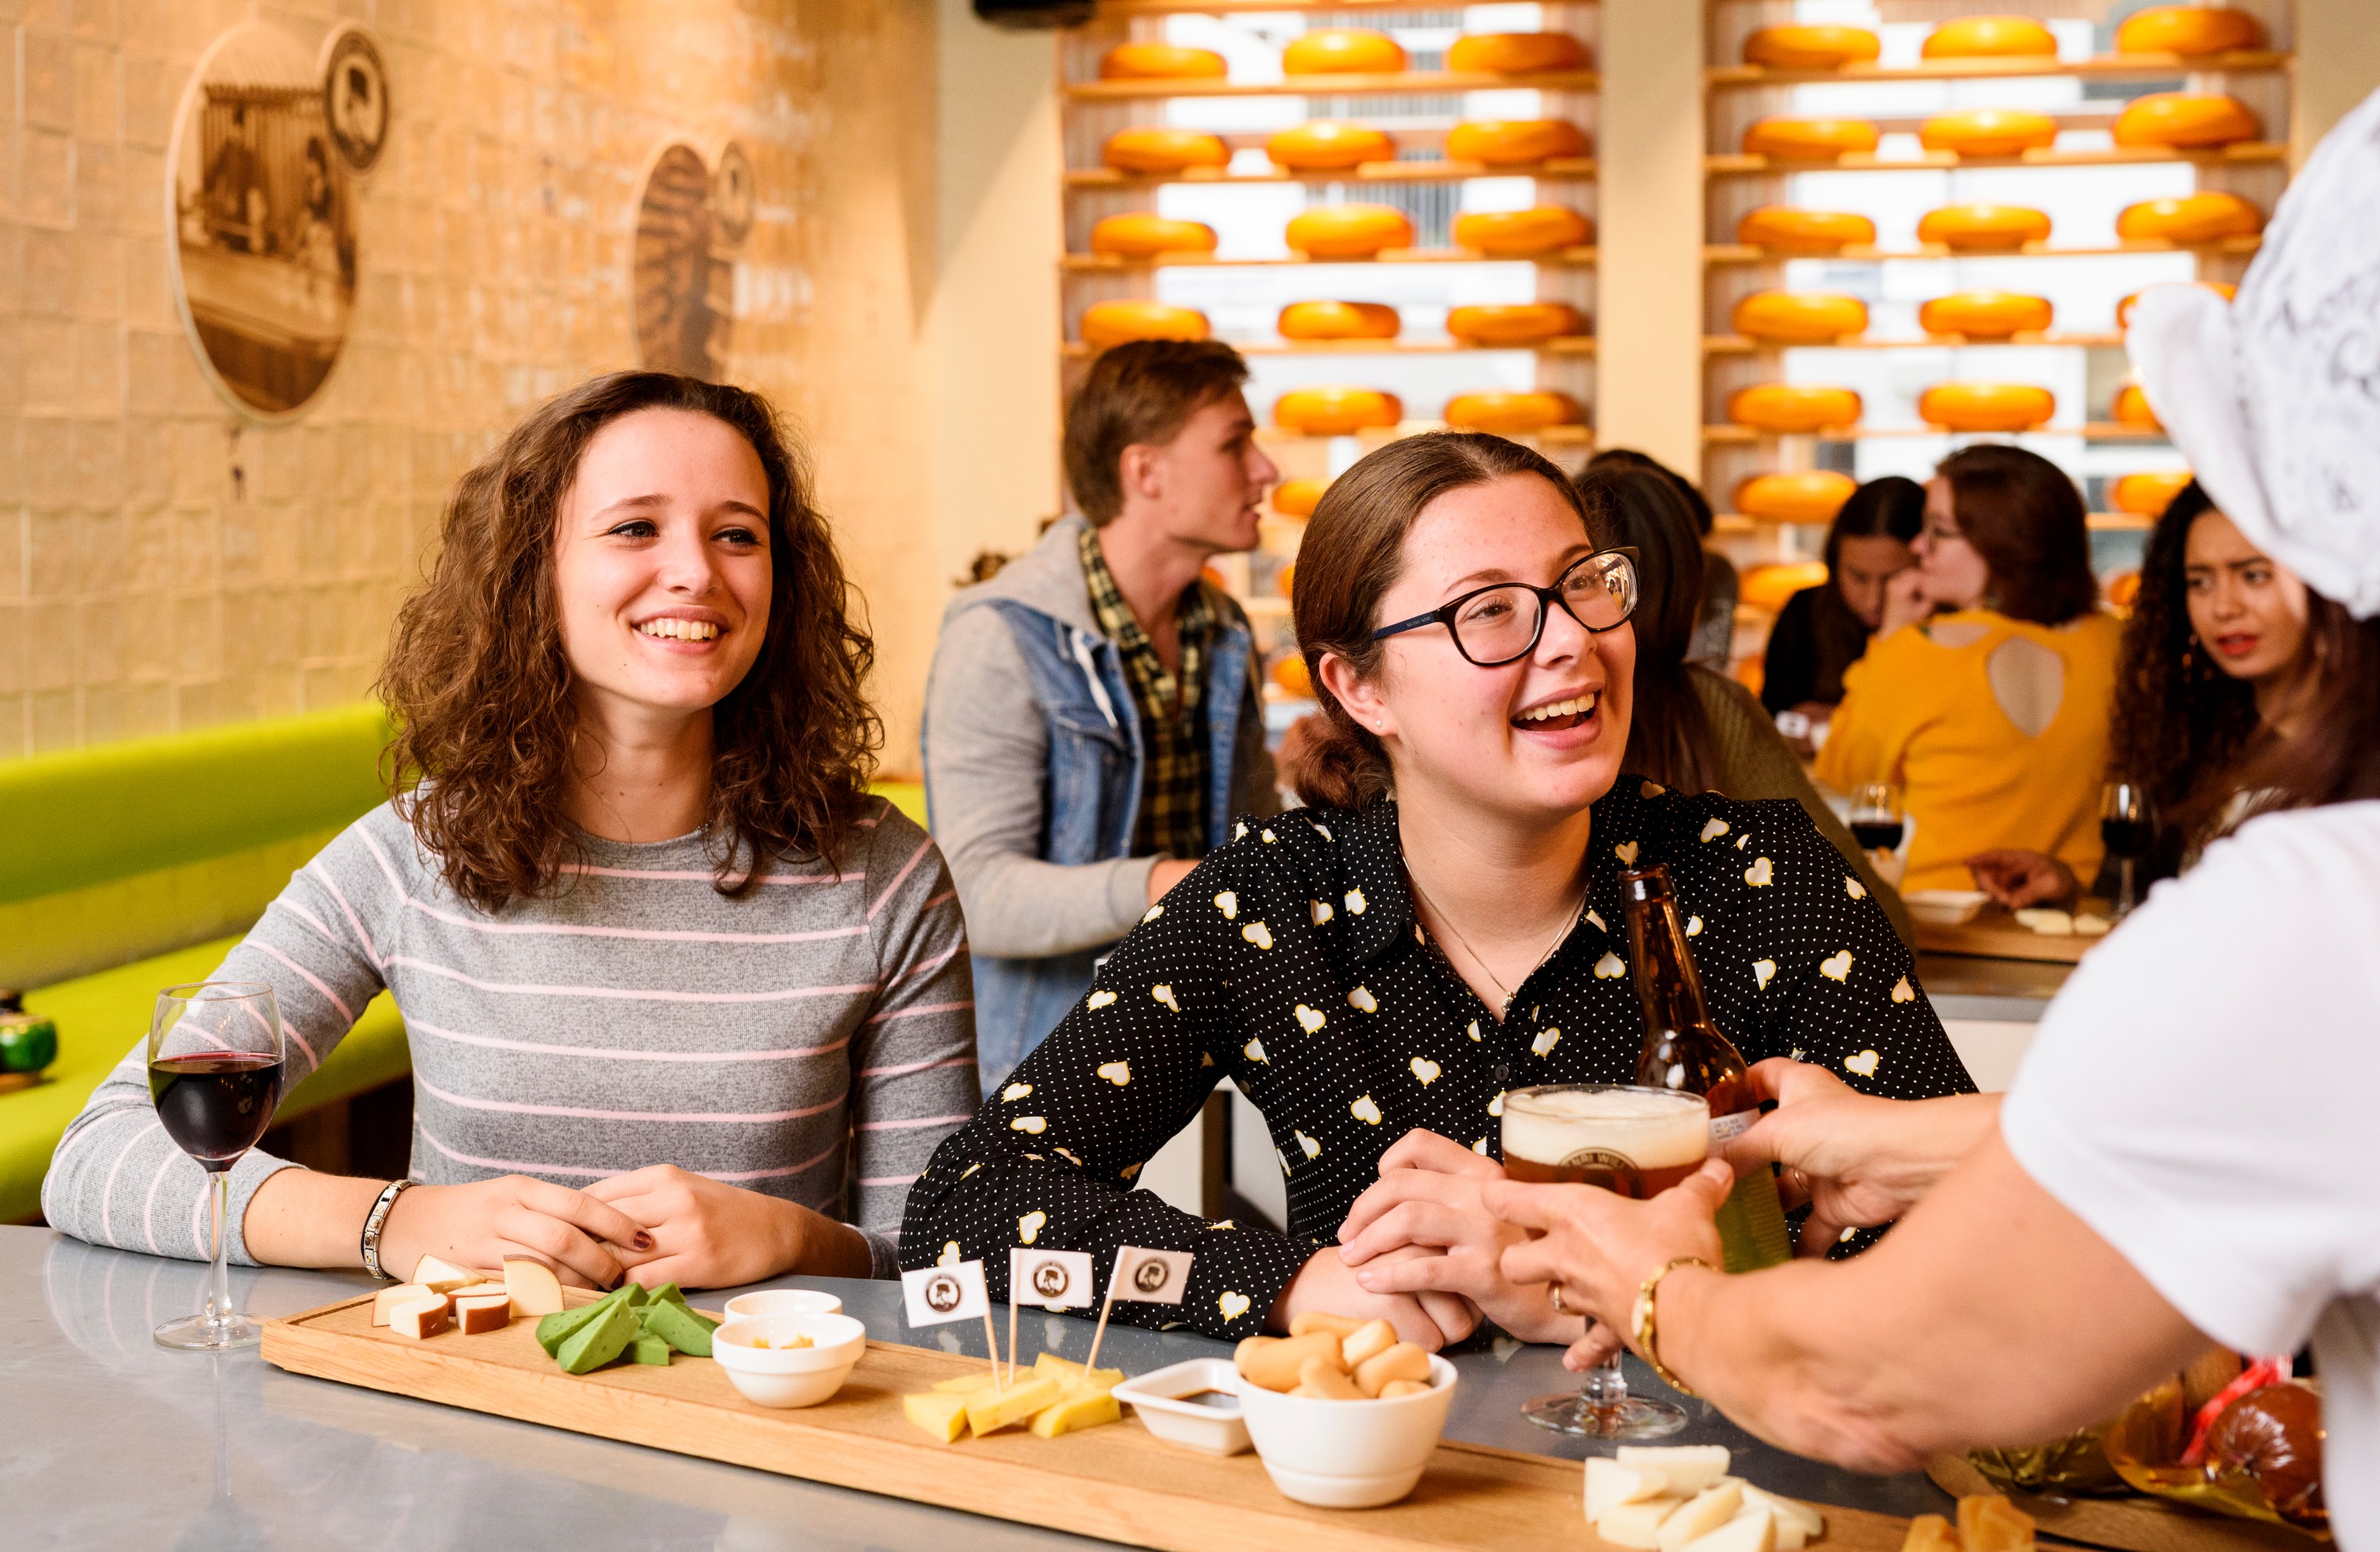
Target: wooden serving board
1120	1482
1996	934
2135	1523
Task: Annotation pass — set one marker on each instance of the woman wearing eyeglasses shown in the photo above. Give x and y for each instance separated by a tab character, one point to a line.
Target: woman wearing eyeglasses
1441	926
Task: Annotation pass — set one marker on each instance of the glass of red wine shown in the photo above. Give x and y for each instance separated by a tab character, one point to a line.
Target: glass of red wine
2126	827
216	1055
1875	819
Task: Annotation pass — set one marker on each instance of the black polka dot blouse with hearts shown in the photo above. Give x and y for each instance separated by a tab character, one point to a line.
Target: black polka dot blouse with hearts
1290	961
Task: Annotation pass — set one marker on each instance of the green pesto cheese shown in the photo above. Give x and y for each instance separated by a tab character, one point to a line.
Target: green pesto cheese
599	1342
552	1330
668	1290
649	1350
679	1327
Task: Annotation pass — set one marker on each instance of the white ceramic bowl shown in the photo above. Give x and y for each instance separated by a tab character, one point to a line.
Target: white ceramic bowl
783	1377
1944	907
1212	1427
1347	1454
783	1301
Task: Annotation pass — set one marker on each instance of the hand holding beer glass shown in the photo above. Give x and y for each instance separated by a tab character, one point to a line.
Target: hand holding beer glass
1635	1143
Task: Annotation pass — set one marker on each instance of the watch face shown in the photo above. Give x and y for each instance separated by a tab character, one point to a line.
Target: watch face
355	96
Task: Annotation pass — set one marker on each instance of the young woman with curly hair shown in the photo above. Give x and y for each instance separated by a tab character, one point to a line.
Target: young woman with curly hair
2215	662
681	996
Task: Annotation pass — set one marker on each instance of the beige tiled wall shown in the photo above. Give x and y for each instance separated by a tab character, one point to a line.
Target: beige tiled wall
165	565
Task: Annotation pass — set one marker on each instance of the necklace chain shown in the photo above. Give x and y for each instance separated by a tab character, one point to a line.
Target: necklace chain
1561	934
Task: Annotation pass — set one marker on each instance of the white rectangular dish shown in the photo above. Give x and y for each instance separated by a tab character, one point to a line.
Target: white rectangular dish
1212	1425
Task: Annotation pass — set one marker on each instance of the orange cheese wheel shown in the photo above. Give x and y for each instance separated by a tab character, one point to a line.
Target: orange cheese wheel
1330	50
1107	324
1327	146
1811	48
2187	120
1989	37
1513	414
1292	675
2222	288
2188	29
1512	142
1985	314
1331	409
1337	321
2131	408
2209	215
1799	316
1285	580
1988	131
1160	62
1810	496
1769	587
1516	53
2147	495
1146	234
1784	229
1514	322
1298	498
1160	148
1523	233
1349	231
1984	228
1810	140
1987	407
1792	407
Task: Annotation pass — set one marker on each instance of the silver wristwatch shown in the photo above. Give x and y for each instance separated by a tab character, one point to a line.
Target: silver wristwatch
376	1220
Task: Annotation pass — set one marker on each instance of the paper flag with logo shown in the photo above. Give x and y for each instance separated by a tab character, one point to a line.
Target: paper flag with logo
1056	1280
1152	1276
934	1294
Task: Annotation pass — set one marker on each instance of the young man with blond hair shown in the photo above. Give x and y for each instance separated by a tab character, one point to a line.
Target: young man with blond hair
1092	722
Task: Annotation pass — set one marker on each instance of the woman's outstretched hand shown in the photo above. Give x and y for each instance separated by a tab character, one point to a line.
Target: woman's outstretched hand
590	1243
1598	1247
1428	1197
1856	1159
707	1234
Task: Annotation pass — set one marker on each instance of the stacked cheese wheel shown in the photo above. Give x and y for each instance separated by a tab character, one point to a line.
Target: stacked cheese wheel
1988	131
1986	315
1329	50
1514	324
2209	215
1329	146
1784	229
1160	62
1769	587
2131	408
1516	53
1794	138
1987	407
1514	142
1799	316
1146	235
1337	321
1809	496
1989	37
1119	322
1512	413
1811	48
1163	149
1793	407
2186	121
1984	228
1298	498
1523	233
1349	231
1335	409
2147	495
2188	29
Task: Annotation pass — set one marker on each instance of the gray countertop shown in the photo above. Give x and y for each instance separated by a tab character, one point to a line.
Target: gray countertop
116	1443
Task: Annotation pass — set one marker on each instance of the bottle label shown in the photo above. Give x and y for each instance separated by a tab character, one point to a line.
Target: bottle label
1725	1126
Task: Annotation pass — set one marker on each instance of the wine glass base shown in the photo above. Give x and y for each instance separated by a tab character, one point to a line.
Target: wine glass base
1568	1412
202	1333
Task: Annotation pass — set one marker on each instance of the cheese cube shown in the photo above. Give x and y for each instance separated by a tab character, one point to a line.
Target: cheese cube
1080	1407
991	1410
533	1287
967	1384
1702	1514
389	1298
1988	1522
942	1414
1807	1521
1065	1371
1610	1485
649	1350
420	1318
441	1275
676	1324
482	1314
599	1342
1929	1532
1690	1467
1753	1531
1637	1524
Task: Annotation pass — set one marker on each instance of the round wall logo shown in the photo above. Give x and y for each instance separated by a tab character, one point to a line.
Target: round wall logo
942	1294
1049	1280
1149	1276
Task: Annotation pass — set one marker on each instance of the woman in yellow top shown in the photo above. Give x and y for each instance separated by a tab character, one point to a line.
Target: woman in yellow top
1985	696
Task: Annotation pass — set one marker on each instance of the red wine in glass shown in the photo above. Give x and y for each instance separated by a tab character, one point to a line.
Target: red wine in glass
2126	837
216	1105
1878	835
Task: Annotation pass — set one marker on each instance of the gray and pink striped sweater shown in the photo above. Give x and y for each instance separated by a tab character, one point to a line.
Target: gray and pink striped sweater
814	1040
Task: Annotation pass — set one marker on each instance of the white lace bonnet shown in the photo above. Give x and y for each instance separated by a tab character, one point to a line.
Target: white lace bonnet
2275	398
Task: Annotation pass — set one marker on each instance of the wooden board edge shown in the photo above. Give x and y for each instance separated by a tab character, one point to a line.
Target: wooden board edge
2125	1523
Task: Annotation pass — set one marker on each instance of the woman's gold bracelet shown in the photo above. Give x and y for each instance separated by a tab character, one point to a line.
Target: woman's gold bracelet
1649	1327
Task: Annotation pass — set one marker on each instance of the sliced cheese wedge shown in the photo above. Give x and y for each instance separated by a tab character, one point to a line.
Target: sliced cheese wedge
442	1276
534	1288
942	1414
1755	1530
1066	1372
389	1298
988	1409
1702	1514
422	1318
1690	1467
1082	1406
967	1384
1610	1485
1812	1523
489	1314
1637	1525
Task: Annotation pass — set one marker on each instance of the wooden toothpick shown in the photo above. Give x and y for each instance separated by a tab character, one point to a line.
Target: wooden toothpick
1105	1305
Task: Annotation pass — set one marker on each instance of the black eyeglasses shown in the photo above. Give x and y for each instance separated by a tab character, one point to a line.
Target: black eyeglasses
1502	622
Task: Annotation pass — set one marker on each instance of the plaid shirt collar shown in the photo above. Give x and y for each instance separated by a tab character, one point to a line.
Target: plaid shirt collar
1173	817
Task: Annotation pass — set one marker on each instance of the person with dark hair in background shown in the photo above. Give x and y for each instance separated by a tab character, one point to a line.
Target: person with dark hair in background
1694	729
1823	630
1714	637
1986	694
2216	657
1444	923
1091	716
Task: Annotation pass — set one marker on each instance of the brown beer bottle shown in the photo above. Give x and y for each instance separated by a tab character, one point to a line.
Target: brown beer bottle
1686	1052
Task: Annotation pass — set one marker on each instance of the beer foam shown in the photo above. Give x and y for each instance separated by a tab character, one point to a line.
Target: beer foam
1651	1129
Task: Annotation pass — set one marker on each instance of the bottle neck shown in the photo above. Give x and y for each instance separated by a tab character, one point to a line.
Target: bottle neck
1665	981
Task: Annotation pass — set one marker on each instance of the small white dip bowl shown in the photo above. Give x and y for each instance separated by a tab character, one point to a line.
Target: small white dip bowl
1944	907
1347	1454
783	1301
1213	1427
788	1376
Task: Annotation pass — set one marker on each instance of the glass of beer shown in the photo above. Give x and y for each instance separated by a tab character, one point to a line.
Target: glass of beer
1638	1142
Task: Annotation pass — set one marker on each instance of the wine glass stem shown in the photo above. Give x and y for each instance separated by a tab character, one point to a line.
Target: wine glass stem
1605	1386
219	1308
2124	873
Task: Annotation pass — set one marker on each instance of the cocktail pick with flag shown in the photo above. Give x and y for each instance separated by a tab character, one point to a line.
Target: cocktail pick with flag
951	1291
1056	1280
1141	1276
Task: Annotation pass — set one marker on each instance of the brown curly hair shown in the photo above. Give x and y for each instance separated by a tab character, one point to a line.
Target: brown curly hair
482	693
